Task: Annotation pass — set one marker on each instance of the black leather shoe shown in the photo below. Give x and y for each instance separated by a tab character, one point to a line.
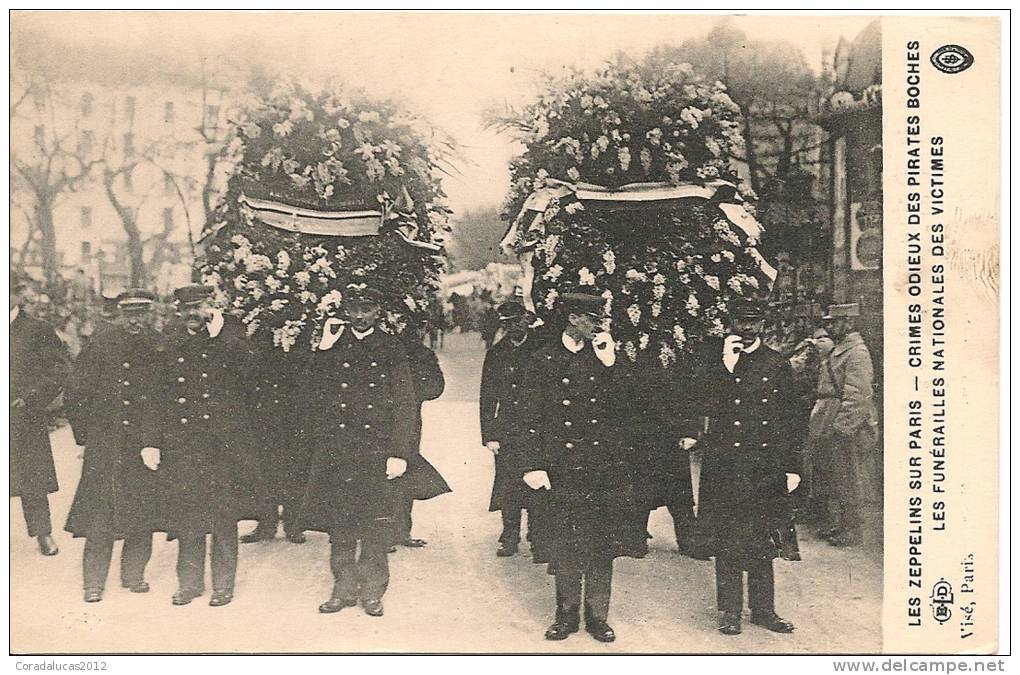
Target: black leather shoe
506	550
184	596
257	535
561	630
47	546
729	624
334	605
373	607
772	621
297	538
136	586
93	594
392	549
220	598
600	630
411	542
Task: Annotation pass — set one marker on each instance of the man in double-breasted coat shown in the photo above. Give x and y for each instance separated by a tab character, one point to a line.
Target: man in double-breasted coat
577	453
114	398
208	455
39	364
361	421
843	432
501	407
748	468
283	453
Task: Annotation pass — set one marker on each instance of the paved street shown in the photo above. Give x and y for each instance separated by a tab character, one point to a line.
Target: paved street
452	596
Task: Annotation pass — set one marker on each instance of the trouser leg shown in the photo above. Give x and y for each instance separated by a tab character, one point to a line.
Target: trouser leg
598	586
511	526
342	562
403	518
683	519
37	514
223	556
729	585
568	590
373	568
290	516
134	557
96	562
191	563
761	587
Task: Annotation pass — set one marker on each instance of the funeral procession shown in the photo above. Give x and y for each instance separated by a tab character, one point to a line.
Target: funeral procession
310	385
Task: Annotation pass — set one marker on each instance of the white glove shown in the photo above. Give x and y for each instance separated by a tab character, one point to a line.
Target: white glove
395	467
687	443
331	332
537	480
792	481
605	348
493	447
150	456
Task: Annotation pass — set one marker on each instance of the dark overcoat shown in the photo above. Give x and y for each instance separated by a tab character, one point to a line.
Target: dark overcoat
283	450
592	512
659	412
422	480
116	390
501	413
209	454
747	453
361	410
39	364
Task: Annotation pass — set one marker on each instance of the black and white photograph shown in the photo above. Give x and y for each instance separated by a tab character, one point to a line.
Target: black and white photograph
440	332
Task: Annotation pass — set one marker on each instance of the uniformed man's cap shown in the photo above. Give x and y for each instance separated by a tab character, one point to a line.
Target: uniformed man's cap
849	309
192	294
109	304
583	302
748	311
508	311
363	295
135	299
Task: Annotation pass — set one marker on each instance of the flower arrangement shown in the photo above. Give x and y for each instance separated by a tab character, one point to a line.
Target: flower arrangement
668	269
326	152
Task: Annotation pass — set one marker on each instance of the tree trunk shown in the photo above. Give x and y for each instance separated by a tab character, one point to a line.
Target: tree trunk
752	155
47	236
128	220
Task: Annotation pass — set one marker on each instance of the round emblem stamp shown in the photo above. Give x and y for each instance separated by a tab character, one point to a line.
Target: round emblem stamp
952	59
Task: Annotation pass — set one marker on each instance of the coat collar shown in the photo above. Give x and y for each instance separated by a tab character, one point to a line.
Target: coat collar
848	343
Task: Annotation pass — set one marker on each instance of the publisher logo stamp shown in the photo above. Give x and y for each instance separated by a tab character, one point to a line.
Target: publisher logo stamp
952	59
941	600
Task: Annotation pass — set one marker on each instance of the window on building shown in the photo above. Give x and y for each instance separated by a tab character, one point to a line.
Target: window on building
40	135
86	217
129	144
168	112
86	142
168	219
87	102
86	251
129	110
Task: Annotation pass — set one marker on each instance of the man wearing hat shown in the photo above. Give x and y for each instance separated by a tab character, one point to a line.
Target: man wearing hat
360	424
39	364
115	393
501	406
748	470
843	432
574	448
211	472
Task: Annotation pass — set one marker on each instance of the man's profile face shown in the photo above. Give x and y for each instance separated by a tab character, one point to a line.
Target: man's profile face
840	327
135	320
747	328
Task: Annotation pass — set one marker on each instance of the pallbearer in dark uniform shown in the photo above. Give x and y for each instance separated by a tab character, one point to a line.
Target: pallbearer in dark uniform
577	452
748	470
361	420
39	364
208	457
114	398
501	407
282	450
422	480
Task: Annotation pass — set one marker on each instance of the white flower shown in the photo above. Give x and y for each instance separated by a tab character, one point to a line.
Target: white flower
282	260
586	277
659	279
631	350
241	241
331	299
692	304
656	309
273	284
553	273
283	128
307	297
633	275
609	261
643	341
303	278
734	284
411	304
550	298
634	314
679	335
667	355
728	254
623	154
659	291
716	258
573	207
573	174
278	304
712	281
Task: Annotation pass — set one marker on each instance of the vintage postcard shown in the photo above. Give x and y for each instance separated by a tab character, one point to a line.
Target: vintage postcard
504	332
